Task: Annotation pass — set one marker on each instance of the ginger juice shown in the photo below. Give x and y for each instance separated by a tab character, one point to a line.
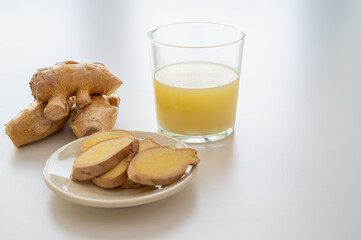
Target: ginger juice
196	98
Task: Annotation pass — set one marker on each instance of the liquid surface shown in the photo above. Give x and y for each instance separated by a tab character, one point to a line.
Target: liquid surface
196	98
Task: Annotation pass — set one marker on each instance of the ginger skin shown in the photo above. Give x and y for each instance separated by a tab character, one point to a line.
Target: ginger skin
100	115
30	125
65	79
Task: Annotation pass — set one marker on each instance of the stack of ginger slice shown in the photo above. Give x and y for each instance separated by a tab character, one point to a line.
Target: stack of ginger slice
117	159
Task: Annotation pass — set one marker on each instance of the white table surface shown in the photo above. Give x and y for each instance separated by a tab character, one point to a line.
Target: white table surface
292	168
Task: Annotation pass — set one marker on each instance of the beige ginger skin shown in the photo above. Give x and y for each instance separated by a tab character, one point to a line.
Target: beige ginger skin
30	125
100	115
65	79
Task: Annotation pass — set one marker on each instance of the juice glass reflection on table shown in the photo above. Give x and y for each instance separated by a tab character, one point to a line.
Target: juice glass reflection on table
196	69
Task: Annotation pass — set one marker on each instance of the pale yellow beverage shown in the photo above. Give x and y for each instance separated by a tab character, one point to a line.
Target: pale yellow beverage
196	98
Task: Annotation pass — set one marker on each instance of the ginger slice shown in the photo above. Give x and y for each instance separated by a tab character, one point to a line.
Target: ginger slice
161	165
114	177
102	157
144	143
101	136
129	184
118	175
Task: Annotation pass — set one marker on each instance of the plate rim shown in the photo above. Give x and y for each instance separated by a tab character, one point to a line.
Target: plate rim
155	196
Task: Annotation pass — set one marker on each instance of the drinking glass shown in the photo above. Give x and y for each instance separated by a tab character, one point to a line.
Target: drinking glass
196	70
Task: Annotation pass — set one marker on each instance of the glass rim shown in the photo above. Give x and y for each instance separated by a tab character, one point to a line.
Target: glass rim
241	37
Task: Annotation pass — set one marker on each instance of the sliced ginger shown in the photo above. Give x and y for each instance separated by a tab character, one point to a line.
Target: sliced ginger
129	184
118	175
144	143
102	157
101	136
161	165
115	177
104	161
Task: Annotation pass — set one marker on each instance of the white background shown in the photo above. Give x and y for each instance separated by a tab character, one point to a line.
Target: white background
292	168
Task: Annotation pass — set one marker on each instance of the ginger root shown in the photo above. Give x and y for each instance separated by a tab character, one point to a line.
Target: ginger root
30	124
161	165
55	89
100	115
56	84
102	157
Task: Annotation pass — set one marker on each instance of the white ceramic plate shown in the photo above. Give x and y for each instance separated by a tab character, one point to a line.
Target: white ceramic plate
57	171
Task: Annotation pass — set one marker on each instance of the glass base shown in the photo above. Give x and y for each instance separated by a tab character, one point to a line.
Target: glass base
197	139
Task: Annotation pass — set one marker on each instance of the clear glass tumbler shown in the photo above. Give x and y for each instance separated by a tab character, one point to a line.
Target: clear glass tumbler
196	69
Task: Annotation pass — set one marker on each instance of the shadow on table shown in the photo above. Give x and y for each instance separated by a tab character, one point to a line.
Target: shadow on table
138	222
216	160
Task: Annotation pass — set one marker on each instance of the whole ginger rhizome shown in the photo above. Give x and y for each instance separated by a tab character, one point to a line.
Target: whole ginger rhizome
55	89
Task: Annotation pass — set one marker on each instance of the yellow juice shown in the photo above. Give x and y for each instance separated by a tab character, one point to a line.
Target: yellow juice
196	98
